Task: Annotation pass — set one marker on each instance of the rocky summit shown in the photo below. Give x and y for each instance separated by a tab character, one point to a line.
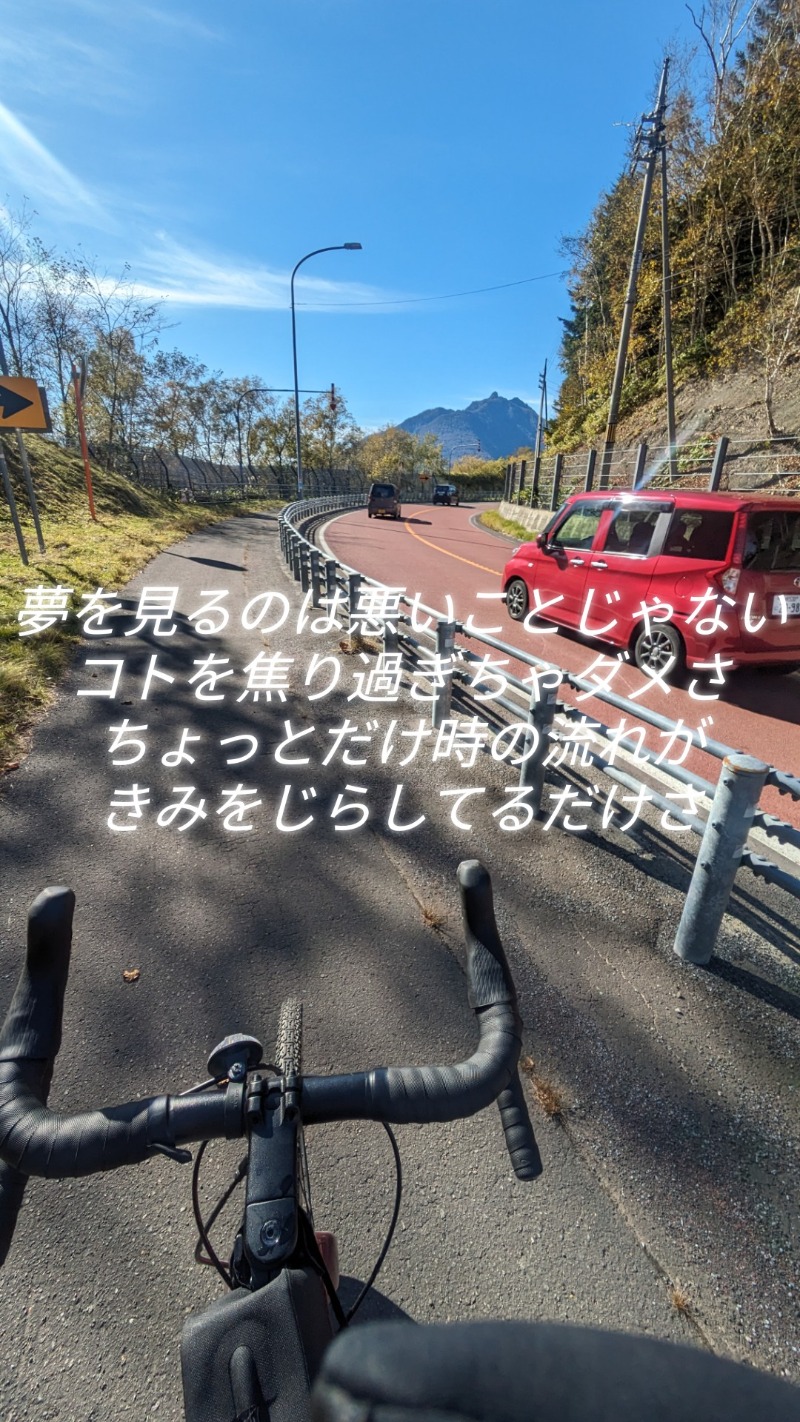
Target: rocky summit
494	427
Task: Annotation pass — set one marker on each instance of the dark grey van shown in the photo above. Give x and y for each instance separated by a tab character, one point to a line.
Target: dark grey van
384	500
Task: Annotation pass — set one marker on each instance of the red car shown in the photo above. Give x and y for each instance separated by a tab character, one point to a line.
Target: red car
675	577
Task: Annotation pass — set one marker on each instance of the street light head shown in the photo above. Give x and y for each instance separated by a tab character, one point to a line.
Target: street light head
352	246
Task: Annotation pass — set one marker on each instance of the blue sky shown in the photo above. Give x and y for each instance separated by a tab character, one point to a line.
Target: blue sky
210	146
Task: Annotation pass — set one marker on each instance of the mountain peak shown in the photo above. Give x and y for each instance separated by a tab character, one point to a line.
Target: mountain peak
494	427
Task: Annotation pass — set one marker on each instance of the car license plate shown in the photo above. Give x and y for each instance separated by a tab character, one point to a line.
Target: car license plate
783	606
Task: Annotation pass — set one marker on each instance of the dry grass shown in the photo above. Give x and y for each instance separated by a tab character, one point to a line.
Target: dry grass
679	1299
133	525
546	1095
433	916
358	643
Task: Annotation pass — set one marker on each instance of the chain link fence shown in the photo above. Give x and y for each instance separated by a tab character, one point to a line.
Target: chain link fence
707	461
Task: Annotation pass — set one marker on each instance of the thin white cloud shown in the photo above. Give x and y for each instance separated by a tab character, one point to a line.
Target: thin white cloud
181	23
51	65
45	55
187	278
40	175
133	14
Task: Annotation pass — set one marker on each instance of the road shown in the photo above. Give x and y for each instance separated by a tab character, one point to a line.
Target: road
222	926
442	550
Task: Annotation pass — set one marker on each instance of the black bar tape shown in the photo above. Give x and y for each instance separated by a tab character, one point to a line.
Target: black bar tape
490	981
33	1140
520	1139
419	1094
444	1093
12	1187
41	1142
32	1028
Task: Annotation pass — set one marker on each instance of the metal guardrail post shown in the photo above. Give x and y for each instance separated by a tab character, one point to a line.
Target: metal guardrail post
330	580
541	711
305	567
354	581
638	468
590	463
443	695
719	463
558	466
731	815
296	546
316	577
391	635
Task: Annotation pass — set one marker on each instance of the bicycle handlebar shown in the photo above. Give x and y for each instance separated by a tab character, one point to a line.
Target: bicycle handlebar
37	1141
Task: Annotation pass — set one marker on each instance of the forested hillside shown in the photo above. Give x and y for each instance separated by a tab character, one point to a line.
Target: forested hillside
734	222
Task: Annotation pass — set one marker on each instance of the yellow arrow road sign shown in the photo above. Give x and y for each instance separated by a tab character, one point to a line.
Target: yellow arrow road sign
23	404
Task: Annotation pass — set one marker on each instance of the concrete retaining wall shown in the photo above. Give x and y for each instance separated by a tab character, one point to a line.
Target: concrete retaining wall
534	519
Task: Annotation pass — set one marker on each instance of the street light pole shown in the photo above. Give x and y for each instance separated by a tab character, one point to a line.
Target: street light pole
342	247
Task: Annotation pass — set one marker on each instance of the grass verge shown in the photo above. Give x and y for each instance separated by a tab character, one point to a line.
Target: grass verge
133	525
507	526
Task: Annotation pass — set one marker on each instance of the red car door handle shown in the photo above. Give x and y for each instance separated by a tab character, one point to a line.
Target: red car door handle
597	563
577	562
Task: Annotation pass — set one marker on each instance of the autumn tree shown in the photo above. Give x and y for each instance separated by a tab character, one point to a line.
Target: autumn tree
399	457
734	220
329	434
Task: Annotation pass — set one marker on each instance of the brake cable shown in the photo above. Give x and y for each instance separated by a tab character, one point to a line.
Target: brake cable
309	1241
398	1195
202	1229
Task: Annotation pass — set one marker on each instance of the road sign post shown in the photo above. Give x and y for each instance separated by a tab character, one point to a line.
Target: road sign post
23	459
9	493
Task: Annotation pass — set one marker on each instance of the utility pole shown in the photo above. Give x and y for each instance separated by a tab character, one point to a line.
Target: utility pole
667	303
537	453
649	142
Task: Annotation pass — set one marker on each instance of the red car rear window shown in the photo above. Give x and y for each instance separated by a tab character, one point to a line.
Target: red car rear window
773	540
699	533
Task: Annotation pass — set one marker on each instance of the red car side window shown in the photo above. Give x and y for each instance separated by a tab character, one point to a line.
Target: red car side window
579	527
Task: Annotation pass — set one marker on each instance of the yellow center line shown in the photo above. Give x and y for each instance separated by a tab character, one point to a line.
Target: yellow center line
448	554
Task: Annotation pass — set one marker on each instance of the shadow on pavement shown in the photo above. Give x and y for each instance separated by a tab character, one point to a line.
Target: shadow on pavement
210	562
376	1308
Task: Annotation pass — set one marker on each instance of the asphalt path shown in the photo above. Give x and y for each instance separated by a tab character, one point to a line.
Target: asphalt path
443	551
221	925
682	1082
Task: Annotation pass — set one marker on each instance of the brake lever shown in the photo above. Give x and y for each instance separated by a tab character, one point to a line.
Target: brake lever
32	1035
493	983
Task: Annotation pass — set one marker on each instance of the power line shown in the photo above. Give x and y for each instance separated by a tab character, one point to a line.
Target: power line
447	296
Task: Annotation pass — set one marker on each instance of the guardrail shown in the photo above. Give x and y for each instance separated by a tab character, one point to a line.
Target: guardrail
734	799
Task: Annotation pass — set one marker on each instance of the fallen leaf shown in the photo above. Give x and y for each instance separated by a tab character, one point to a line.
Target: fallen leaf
130	975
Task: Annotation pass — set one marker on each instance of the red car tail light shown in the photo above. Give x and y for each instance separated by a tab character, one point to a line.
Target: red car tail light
729	580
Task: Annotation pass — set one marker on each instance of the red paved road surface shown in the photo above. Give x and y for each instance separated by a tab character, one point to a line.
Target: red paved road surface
440	551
